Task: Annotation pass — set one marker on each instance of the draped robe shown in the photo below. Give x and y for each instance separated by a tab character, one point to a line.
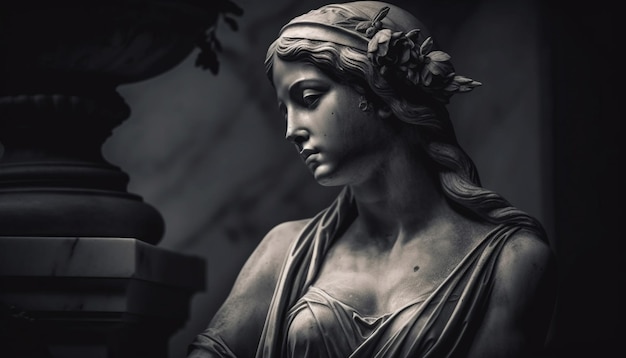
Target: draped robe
440	323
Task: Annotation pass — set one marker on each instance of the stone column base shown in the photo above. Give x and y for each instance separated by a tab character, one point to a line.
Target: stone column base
92	297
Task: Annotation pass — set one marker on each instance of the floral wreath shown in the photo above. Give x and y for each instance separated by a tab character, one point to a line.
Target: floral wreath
397	53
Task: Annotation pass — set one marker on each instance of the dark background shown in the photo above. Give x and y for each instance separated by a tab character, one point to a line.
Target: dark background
208	151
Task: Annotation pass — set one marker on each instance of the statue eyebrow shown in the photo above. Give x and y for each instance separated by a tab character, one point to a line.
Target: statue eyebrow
296	88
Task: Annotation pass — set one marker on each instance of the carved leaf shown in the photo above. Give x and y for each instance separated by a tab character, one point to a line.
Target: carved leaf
439	56
232	23
208	59
209	44
413	34
381	14
362	26
426	46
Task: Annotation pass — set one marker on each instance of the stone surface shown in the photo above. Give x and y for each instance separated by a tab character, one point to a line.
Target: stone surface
78	297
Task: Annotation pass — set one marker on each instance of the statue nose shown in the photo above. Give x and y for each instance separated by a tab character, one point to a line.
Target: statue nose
297	137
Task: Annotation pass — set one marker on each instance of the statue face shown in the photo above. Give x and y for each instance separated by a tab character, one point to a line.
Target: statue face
339	143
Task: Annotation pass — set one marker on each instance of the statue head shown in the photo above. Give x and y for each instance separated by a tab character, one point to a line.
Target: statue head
383	50
387	54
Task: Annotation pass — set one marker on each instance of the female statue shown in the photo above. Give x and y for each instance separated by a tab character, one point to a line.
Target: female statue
414	258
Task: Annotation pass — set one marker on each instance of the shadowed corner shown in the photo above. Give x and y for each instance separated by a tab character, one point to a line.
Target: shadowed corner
80	269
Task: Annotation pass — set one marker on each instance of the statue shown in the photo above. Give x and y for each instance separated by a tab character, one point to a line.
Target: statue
414	258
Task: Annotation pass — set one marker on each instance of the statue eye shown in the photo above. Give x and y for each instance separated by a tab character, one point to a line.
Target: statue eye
310	97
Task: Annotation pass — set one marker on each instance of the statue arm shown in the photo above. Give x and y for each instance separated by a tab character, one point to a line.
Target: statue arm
235	329
518	318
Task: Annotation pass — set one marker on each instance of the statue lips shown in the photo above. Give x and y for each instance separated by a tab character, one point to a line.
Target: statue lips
307	156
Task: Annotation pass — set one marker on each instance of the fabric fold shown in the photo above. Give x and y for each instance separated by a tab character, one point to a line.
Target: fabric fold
440	325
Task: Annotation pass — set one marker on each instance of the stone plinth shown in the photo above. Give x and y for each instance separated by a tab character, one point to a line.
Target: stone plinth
80	275
92	297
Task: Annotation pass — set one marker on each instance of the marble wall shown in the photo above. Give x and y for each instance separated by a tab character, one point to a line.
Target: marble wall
208	151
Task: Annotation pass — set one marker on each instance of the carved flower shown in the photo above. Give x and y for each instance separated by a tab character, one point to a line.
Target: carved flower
395	50
370	27
396	53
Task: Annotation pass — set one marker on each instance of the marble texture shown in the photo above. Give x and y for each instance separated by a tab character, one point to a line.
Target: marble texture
97	296
93	265
99	257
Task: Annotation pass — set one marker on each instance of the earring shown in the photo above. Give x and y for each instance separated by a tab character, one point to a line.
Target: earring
364	104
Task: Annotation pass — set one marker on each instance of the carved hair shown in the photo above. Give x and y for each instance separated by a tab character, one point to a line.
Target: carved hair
457	173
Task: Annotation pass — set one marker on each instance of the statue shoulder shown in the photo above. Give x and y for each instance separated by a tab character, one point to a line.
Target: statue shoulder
242	314
284	233
270	253
278	240
526	270
526	255
522	300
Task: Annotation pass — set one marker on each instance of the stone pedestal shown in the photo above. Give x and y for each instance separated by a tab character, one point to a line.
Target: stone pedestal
80	272
60	65
92	297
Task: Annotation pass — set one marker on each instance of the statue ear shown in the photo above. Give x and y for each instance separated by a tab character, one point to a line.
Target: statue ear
384	112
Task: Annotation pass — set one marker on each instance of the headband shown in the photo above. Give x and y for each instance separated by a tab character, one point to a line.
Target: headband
397	54
324	32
